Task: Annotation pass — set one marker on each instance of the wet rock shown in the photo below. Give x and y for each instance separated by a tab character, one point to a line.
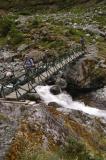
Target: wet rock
95	99
54	104
86	73
55	90
51	81
33	97
61	82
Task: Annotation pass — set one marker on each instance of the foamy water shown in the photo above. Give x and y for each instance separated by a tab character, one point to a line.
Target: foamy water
66	101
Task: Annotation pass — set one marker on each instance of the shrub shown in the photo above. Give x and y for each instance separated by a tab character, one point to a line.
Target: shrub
73	150
36	22
76	150
56	44
16	37
5	25
73	31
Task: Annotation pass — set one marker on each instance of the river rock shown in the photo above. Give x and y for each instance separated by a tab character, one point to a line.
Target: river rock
61	83
54	104
51	80
33	97
55	90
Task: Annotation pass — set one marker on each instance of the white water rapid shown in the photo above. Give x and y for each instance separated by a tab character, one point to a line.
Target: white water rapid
66	101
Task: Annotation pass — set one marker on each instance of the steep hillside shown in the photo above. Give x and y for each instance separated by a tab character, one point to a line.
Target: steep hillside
20	4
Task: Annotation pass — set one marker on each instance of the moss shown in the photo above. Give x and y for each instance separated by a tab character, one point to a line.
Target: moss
102	49
3	117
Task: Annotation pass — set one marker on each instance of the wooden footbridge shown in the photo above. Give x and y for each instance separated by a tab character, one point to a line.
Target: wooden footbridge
18	87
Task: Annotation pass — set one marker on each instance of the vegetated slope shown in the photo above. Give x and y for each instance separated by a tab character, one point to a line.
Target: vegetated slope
20	4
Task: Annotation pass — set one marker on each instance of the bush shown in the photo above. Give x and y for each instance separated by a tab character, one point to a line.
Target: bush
36	22
16	37
73	150
5	25
56	44
76	32
53	44
76	150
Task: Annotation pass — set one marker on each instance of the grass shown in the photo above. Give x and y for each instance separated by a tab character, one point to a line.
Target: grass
102	48
5	25
72	150
101	20
9	32
78	10
3	117
3	41
16	36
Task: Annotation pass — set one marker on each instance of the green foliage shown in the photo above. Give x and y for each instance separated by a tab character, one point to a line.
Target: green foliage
100	19
76	32
9	32
56	44
75	150
29	156
53	44
72	150
3	41
3	117
16	37
36	22
5	25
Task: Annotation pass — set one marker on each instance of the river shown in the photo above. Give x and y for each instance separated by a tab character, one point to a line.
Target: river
65	100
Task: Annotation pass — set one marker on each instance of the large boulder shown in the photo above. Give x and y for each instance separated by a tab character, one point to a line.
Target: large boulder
55	90
54	105
33	97
87	73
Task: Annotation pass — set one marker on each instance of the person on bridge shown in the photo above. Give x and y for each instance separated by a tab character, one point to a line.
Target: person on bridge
29	62
82	42
29	66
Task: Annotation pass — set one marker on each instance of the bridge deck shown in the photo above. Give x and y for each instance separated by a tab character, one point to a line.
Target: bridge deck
41	78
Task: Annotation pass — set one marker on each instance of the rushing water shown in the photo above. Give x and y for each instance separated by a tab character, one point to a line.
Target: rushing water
66	101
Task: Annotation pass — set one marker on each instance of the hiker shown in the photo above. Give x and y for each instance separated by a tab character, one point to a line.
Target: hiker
29	62
82	42
29	66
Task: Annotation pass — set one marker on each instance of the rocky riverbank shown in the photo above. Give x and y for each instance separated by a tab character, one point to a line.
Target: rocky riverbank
51	125
35	126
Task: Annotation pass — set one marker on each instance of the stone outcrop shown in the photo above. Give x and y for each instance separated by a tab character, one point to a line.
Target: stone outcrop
32	126
88	73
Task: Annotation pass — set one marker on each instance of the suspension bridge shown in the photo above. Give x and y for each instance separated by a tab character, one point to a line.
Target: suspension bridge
17	87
